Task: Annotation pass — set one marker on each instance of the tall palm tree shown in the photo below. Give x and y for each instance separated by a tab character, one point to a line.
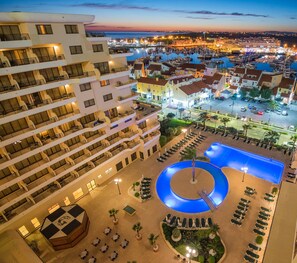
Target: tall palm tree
246	127
204	116
272	105
225	120
215	228
190	155
137	227
153	239
271	136
294	140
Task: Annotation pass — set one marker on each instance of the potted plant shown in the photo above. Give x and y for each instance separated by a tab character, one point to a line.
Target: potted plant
137	227
112	213
153	239
176	235
259	240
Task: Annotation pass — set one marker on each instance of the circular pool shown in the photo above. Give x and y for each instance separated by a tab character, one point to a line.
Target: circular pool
186	205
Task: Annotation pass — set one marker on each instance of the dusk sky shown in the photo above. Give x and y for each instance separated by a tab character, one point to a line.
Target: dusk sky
172	15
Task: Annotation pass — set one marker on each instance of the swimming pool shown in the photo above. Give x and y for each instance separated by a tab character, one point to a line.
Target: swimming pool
172	200
262	167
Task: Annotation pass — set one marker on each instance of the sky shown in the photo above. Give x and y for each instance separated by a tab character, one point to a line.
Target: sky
172	15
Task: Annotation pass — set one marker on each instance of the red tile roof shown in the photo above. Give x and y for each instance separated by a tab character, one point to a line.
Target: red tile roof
239	70
254	72
211	79
197	67
160	82
264	78
286	83
194	87
233	87
285	95
274	91
181	79
154	67
138	66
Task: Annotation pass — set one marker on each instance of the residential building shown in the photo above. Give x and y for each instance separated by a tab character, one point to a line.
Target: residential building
215	82
69	120
154	69
137	70
197	70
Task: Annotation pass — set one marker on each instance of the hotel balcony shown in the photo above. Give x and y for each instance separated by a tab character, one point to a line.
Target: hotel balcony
151	137
115	73
150	128
123	85
20	112
132	96
9	41
122	117
14	66
145	111
97	37
86	77
119	52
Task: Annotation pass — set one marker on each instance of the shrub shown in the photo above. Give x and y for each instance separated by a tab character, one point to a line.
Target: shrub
137	194
176	233
211	259
274	190
137	183
259	240
201	259
170	115
163	140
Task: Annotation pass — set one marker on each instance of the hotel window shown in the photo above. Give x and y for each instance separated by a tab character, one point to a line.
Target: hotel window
23	230
103	67
91	185
119	166
98	48
35	222
71	29
85	87
133	156
74	50
104	83
44	29
107	97
89	103
67	201
53	208
78	193
127	160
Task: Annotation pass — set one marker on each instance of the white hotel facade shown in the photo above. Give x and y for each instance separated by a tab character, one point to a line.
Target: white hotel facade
68	121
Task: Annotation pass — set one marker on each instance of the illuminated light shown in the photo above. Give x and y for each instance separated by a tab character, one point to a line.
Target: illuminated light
56	48
110	62
67	86
73	103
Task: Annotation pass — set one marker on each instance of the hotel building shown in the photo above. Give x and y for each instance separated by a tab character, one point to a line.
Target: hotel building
68	118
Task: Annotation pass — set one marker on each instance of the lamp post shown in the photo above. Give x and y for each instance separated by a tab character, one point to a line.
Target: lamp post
244	169
117	182
191	252
184	132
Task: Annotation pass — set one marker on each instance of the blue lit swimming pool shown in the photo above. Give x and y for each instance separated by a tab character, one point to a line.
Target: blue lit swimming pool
172	200
262	167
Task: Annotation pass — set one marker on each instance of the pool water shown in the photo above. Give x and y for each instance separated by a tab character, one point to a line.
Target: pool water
178	203
262	167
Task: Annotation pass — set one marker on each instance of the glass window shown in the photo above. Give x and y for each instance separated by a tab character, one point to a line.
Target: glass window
44	29
75	50
23	230
78	193
98	48
85	87
103	67
104	83
127	160
35	222
107	97
71	29
89	103
91	185
133	156
119	166
53	208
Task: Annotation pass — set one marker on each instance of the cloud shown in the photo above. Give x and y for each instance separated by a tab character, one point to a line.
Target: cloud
293	18
203	18
116	6
205	12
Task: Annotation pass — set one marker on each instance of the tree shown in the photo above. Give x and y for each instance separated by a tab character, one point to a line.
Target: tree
273	105
266	93
225	120
137	227
204	116
112	213
242	93
246	127
190	155
271	136
215	118
254	92
215	228
153	239
294	140
170	115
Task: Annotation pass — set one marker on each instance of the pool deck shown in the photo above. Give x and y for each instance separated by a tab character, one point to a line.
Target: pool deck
150	213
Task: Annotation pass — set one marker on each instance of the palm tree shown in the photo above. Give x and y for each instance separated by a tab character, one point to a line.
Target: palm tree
246	127
112	213
137	227
271	136
225	120
215	118
273	105
153	239
294	140
190	155
204	116
215	228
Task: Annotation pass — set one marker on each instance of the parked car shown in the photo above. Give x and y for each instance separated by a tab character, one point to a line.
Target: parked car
279	112
243	109
291	128
284	113
267	110
260	112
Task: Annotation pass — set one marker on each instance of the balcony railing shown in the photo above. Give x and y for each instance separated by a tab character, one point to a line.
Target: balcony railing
7	88
114	70
84	75
13	37
21	62
51	58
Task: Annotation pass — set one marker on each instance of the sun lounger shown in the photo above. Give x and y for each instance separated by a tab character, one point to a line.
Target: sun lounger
250	259
243	204
235	222
203	222
190	222
262	223
209	220
257	231
173	219
263	217
245	200
160	160
184	223
197	222
167	218
240	217
252	254
269	199
254	247
269	195
265	209
260	226
242	208
239	212
264	214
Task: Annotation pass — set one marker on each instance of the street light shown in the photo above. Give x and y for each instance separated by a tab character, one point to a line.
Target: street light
117	182
184	132
191	252
244	169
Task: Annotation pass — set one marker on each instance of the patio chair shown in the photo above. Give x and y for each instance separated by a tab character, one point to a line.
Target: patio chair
252	254
262	222
249	259
235	222
257	231
254	247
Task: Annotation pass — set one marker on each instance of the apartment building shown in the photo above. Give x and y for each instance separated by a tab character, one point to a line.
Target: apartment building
68	117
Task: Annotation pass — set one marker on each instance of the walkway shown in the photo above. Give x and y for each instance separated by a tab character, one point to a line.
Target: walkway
207	200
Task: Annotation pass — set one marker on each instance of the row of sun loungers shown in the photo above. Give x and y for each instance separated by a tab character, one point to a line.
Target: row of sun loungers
176	147
145	188
249	191
188	223
240	212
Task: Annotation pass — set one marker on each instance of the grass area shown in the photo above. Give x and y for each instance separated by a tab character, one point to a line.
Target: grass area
178	123
198	239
